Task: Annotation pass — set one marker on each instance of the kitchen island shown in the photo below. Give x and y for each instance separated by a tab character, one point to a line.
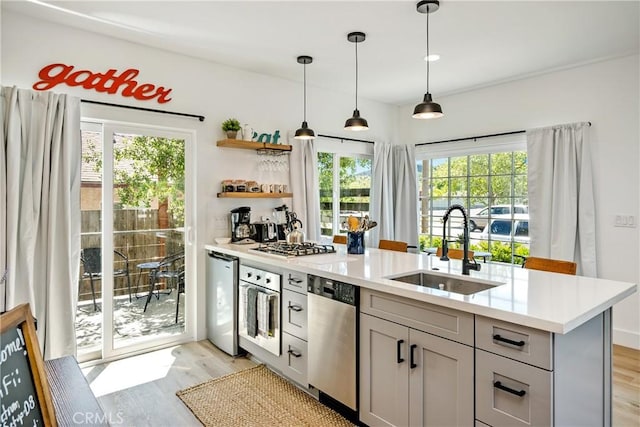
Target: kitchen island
544	358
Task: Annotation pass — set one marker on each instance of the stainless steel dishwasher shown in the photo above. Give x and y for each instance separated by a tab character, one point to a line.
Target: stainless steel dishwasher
222	301
332	338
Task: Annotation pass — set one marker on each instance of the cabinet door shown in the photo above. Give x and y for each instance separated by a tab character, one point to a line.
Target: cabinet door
440	381
294	313
295	356
384	379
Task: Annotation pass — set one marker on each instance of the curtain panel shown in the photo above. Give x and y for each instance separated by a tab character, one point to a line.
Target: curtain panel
305	186
561	201
40	217
394	194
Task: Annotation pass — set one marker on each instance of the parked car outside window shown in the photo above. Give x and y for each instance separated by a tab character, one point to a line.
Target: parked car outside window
479	218
506	229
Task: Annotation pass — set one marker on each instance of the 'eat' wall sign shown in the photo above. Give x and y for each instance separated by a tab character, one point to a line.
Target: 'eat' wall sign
110	82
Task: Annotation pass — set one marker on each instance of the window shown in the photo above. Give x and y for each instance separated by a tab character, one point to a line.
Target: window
490	182
345	184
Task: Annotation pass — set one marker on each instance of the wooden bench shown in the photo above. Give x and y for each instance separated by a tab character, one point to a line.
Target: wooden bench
72	397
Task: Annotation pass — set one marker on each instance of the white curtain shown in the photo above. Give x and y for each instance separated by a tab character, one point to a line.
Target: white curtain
561	204
305	186
40	184
394	195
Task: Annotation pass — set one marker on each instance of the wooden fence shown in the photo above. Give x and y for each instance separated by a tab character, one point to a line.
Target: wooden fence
137	236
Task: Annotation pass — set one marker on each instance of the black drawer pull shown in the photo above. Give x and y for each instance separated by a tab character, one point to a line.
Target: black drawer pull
413	365
295	308
508	341
499	385
294	353
398	356
294	280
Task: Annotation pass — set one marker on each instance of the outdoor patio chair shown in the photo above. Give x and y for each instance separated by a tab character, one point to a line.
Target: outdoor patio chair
170	268
91	259
179	290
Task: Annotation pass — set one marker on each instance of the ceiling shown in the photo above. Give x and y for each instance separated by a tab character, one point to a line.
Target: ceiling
480	43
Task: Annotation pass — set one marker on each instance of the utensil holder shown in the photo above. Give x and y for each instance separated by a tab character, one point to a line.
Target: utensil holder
355	242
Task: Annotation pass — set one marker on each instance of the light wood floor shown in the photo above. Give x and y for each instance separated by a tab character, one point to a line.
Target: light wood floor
140	390
626	386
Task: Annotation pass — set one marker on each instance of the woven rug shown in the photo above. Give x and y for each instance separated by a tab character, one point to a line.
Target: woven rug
256	397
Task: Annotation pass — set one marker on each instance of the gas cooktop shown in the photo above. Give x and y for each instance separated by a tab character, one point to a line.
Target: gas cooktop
289	250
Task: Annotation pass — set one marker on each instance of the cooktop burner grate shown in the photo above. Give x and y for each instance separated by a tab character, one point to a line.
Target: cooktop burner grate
294	249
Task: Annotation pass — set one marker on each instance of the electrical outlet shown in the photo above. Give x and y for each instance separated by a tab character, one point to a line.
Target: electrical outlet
625	221
220	223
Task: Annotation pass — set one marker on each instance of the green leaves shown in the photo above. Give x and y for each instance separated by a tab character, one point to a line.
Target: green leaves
151	169
231	124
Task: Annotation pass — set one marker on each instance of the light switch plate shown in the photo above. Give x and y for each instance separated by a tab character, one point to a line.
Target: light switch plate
625	221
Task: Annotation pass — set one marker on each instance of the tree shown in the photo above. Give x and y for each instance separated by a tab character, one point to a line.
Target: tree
147	169
155	172
466	176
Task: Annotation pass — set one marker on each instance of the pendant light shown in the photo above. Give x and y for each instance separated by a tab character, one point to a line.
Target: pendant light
356	122
305	132
427	109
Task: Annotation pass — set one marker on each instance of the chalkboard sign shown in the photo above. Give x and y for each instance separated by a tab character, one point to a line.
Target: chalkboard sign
24	390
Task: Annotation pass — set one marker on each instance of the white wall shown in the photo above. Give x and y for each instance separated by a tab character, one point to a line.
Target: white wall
605	93
199	87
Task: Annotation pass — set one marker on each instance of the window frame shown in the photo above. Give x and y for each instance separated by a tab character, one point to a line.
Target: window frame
353	149
453	149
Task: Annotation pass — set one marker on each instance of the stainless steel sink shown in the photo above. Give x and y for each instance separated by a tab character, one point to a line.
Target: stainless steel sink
446	283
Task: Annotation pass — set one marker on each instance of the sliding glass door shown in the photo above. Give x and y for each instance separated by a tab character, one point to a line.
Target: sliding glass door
134	251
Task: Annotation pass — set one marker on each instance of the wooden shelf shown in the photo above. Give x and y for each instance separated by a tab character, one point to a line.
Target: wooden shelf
251	145
241	195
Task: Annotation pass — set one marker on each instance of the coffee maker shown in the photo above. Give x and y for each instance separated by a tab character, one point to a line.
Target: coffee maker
242	231
281	217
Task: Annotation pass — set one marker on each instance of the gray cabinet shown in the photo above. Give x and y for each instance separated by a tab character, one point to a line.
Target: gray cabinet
294	327
526	377
408	376
384	372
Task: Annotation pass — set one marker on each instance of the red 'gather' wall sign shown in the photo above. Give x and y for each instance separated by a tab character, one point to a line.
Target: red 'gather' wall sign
109	82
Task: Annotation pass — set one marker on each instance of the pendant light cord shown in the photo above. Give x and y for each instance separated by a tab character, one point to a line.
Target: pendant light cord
304	103
427	58
356	43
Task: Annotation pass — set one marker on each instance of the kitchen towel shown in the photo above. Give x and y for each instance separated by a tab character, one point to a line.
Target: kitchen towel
252	308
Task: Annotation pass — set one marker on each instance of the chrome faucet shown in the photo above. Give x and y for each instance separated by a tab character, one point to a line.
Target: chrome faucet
467	265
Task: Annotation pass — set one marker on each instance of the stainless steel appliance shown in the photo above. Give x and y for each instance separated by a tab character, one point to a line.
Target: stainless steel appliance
242	231
281	218
222	307
265	232
289	250
259	308
332	336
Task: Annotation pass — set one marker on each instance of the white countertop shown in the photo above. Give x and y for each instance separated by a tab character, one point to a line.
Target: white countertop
549	301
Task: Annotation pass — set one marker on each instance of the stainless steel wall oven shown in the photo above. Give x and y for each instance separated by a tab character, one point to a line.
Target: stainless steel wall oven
259	308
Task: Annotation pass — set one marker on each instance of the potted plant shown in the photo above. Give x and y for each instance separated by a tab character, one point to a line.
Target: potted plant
231	127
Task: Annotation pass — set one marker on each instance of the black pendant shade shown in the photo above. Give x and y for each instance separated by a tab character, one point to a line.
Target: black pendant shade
356	123
305	132
427	109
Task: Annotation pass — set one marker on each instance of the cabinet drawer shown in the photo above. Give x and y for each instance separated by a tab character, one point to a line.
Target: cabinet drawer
294	313
522	343
498	382
444	322
294	281
294	353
